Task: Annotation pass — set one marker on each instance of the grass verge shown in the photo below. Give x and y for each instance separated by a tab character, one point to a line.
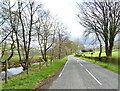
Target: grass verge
110	66
30	81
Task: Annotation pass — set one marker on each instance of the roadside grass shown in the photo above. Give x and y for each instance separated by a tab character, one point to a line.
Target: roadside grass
110	66
30	81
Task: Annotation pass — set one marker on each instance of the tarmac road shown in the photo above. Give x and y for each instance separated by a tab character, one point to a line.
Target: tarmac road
80	74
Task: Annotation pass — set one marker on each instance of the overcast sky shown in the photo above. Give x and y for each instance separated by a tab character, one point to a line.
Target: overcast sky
66	11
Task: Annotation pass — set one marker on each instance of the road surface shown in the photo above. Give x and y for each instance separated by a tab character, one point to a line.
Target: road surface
80	74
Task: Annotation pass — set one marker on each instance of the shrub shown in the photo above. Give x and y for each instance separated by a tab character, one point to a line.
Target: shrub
90	50
78	55
84	50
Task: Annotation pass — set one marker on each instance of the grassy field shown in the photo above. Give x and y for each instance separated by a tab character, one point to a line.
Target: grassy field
96	54
16	57
110	66
30	81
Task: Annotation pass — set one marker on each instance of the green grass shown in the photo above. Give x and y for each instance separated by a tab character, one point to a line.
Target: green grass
30	81
16	57
96	54
110	66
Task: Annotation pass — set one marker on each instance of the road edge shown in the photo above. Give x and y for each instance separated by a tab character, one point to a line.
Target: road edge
47	82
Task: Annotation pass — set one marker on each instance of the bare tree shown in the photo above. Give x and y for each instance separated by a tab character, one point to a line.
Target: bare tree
27	11
60	33
103	19
46	32
7	7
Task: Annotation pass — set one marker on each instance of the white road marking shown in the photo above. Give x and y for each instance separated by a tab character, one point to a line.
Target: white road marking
63	69
80	64
94	77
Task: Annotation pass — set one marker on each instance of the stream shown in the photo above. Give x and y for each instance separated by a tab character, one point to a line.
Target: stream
13	71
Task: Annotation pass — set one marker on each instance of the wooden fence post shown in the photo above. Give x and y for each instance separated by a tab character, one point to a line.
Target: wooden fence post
40	63
6	72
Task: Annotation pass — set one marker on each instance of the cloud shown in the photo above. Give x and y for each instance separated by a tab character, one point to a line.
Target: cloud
66	11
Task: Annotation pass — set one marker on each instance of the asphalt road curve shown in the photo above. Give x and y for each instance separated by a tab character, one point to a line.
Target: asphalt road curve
80	74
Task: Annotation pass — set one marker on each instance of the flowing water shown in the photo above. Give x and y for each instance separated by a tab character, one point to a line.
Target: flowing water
13	71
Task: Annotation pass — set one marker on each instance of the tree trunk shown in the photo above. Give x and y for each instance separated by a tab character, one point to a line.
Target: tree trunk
110	50
52	54
27	63
6	72
45	58
51	60
100	46
46	64
3	49
59	56
40	63
11	55
111	41
18	49
100	52
27	67
59	51
106	48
